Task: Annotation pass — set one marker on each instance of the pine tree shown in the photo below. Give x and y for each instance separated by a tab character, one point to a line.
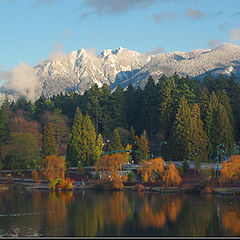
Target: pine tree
197	146
4	123
49	141
143	147
73	148
116	144
181	135
83	147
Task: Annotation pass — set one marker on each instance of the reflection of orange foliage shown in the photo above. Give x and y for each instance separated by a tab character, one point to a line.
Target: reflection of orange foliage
151	215
231	220
173	209
115	209
230	172
151	169
151	218
55	167
171	176
56	207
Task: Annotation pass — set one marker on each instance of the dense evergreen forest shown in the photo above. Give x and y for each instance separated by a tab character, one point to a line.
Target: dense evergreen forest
190	117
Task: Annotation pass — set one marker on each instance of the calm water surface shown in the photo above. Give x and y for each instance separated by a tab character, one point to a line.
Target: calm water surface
92	213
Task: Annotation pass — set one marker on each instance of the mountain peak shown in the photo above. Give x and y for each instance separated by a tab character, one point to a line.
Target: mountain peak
79	70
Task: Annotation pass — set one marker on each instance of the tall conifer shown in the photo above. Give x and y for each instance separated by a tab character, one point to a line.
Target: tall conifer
49	141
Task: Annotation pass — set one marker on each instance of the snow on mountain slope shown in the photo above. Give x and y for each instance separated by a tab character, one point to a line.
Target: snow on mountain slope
79	70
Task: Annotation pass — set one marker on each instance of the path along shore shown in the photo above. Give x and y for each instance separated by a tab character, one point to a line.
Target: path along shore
28	184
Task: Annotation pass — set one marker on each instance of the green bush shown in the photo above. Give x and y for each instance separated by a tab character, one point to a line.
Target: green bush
131	177
185	165
180	170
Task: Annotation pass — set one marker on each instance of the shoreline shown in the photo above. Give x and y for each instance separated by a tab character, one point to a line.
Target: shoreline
29	185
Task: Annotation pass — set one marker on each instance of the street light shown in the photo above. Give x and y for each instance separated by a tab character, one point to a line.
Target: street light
219	150
163	142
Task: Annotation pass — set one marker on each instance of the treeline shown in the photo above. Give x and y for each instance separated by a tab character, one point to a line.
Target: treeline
191	117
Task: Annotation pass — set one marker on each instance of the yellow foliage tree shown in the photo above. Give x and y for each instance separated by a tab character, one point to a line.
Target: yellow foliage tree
230	172
110	165
128	154
171	176
55	167
152	169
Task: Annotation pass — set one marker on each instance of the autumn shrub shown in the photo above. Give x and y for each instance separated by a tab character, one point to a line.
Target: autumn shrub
171	176
151	170
61	184
66	184
230	172
55	167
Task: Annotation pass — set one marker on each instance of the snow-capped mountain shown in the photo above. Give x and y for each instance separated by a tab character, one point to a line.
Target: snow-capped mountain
79	70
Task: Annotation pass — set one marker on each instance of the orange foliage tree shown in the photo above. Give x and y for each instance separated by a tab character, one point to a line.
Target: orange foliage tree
151	170
230	172
171	176
110	165
55	167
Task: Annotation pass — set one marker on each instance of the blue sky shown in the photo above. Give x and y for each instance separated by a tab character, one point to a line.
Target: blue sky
33	30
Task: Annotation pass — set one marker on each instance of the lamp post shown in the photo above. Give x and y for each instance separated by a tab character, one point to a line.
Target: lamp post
219	150
163	142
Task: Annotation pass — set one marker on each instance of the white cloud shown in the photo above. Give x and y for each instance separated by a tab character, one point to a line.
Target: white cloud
155	51
101	7
165	16
195	14
57	53
214	43
22	79
235	35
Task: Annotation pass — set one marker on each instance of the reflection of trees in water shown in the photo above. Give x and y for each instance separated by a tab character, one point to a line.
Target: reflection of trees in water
231	218
197	216
156	210
115	209
87	215
56	207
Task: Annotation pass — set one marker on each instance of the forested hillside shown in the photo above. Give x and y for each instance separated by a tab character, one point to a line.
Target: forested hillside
191	117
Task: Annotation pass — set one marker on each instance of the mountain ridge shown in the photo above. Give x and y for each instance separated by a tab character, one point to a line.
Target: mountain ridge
79	70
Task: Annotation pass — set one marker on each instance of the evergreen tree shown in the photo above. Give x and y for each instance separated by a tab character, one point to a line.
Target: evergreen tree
93	106
49	141
116	144
131	136
4	122
143	147
197	146
151	108
4	125
181	136
83	147
73	148
117	106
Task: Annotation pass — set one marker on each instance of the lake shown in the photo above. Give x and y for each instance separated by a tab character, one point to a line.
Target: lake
103	213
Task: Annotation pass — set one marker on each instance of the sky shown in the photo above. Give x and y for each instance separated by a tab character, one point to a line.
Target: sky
34	30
